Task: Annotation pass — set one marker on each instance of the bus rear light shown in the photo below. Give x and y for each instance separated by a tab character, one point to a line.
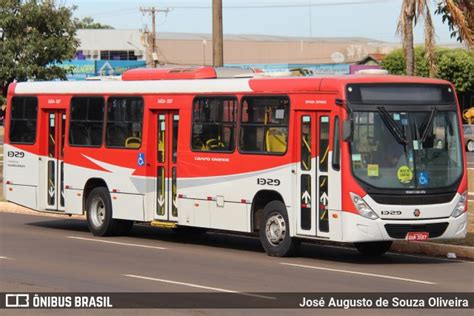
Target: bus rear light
461	206
362	207
10	189
335	216
8	182
114	190
210	198
66	186
245	201
181	196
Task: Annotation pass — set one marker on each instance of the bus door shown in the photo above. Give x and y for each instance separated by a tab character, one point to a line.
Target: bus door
53	166
312	152
166	165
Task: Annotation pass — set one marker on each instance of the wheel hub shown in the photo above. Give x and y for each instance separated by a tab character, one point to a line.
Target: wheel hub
97	212
275	229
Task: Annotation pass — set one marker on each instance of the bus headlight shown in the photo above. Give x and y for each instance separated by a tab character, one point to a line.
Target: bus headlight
362	207
460	206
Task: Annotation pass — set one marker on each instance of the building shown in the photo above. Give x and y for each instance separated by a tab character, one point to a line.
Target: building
106	52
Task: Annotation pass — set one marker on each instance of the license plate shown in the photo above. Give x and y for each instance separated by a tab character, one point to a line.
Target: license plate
417	236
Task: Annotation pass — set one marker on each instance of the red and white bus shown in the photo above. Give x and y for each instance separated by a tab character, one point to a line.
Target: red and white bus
359	159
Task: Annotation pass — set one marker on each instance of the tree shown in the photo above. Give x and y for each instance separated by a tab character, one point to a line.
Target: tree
413	10
37	34
459	13
396	65
457	66
89	23
454	65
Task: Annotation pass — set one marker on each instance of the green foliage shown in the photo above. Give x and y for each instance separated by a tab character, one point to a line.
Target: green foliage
457	66
454	65
89	23
36	34
395	62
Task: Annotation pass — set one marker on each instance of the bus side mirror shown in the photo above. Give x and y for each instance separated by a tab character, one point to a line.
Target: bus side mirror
347	130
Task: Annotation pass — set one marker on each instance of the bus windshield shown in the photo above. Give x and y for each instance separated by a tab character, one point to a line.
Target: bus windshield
406	150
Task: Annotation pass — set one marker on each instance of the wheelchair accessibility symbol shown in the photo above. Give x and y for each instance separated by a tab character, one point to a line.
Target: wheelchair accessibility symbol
423	178
141	159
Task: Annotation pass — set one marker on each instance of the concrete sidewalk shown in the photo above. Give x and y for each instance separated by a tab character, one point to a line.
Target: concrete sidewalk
412	247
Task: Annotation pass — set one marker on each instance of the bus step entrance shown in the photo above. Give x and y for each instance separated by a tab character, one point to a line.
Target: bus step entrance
162	224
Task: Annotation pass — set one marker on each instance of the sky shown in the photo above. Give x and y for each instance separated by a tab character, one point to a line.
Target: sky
375	19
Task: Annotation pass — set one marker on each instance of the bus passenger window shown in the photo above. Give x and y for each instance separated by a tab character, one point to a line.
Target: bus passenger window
23	118
124	122
336	144
214	121
87	120
264	125
323	143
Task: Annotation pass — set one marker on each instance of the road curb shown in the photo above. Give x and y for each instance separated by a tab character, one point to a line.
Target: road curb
8	207
13	208
432	249
412	247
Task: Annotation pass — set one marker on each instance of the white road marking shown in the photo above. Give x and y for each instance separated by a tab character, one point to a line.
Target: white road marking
117	243
5	258
198	286
358	273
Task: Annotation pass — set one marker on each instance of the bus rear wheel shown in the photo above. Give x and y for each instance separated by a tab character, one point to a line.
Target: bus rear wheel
373	248
275	231
99	215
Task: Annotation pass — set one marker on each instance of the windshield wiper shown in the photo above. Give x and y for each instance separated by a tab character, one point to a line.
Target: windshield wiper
392	126
429	124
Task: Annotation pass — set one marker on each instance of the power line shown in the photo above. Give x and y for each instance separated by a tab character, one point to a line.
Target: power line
152	11
277	5
281	5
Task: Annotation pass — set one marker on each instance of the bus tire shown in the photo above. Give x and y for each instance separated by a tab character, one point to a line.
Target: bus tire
373	248
470	146
275	231
99	215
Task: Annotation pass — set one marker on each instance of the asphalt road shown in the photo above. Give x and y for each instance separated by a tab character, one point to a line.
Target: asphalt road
54	254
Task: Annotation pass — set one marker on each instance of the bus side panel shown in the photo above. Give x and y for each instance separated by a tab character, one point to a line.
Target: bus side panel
232	190
230	216
74	201
20	176
127	200
193	213
128	206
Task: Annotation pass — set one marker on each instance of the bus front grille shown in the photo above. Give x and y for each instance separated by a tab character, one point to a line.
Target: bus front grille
400	230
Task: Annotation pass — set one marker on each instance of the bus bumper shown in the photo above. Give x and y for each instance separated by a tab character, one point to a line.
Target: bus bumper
356	228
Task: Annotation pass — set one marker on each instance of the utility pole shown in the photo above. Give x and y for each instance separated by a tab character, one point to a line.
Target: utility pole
217	34
153	56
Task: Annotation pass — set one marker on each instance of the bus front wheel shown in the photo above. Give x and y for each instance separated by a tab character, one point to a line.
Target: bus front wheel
275	231
99	215
373	248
